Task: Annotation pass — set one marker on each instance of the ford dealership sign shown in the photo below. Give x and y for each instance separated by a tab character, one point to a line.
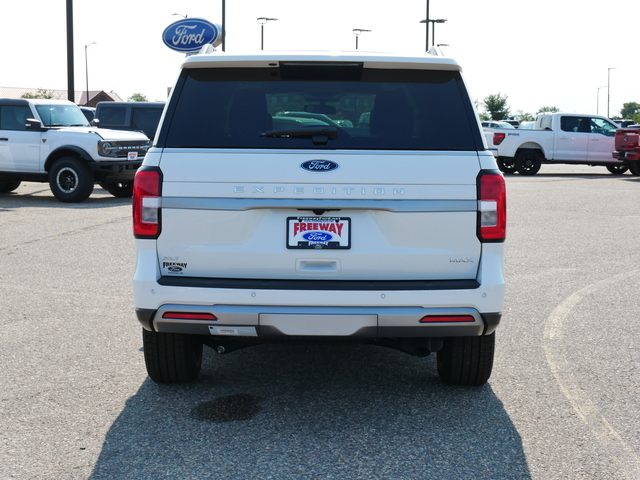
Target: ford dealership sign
191	34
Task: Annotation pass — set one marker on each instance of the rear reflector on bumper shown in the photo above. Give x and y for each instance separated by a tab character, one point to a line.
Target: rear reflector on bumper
189	316
447	319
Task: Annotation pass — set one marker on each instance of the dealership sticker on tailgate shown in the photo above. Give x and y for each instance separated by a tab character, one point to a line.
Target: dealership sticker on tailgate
318	232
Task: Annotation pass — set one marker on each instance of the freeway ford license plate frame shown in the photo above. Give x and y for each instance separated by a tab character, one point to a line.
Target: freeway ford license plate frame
319	233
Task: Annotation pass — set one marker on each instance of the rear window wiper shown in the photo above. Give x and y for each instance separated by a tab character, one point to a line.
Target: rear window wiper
319	134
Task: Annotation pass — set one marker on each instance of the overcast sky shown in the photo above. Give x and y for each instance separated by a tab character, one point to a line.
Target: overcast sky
537	53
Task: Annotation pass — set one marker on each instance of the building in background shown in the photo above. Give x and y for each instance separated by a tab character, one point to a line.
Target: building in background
80	96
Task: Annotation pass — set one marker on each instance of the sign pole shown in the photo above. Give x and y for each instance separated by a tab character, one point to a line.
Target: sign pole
71	94
224	27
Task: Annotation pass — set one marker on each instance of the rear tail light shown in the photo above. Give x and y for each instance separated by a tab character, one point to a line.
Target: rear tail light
492	207
498	138
147	203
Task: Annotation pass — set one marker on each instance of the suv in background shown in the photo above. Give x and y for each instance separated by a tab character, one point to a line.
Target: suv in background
51	141
137	116
268	211
89	113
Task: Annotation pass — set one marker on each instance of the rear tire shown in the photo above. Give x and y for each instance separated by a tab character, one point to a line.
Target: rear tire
172	357
634	168
71	180
466	360
617	169
7	186
528	162
506	164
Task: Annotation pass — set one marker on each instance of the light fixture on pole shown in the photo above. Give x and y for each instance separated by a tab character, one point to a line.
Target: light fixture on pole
433	29
262	21
86	66
357	32
609	88
598	100
180	15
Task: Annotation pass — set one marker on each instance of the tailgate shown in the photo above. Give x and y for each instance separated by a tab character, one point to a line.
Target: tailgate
381	216
627	139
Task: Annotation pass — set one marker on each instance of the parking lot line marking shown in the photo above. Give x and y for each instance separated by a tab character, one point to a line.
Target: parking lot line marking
579	399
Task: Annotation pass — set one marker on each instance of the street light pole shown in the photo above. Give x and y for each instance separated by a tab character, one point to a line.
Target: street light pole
609	88
262	21
433	28
86	66
357	32
598	100
426	22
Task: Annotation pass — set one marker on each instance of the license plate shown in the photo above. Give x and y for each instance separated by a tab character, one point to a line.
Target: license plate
318	232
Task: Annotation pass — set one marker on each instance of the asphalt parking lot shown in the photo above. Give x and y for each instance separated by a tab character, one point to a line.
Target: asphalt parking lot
76	403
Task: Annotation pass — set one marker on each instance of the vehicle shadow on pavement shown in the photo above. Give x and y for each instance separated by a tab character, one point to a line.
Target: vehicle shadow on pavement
44	199
316	412
576	176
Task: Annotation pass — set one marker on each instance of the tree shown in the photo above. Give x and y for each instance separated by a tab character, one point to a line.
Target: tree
548	109
524	117
496	106
41	93
137	97
629	110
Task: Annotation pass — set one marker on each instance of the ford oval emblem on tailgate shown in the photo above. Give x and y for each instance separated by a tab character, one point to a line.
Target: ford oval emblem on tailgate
321	166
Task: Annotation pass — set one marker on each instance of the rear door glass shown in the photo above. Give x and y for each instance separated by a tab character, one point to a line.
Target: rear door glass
343	106
146	119
112	116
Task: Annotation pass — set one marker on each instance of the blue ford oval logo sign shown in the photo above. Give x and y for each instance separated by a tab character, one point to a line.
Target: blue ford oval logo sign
191	34
317	236
321	166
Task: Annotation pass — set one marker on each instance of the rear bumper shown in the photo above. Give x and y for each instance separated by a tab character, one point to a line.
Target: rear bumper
626	155
258	321
387	309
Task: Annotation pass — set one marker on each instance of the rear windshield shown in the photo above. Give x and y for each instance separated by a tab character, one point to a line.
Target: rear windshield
320	106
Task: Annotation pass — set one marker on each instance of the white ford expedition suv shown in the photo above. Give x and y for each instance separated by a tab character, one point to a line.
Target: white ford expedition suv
319	198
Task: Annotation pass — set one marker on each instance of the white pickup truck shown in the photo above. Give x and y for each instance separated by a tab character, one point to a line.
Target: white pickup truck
556	138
